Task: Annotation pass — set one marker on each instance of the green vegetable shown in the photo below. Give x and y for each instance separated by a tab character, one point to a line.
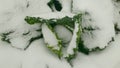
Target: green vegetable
49	24
65	21
33	20
72	24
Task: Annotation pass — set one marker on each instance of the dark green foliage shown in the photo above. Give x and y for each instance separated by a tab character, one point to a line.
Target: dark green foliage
4	38
56	4
51	23
85	50
78	18
90	28
33	20
26	33
117	0
82	48
65	21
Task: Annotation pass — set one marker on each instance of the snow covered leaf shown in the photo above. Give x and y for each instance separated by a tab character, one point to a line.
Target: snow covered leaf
65	21
74	43
95	39
4	37
51	39
49	35
54	41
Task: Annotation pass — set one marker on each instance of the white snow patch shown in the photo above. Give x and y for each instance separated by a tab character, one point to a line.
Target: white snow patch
54	15
67	5
10	57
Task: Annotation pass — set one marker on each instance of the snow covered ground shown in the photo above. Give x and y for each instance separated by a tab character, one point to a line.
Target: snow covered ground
103	13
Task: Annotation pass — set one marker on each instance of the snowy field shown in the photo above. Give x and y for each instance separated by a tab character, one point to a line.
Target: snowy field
17	52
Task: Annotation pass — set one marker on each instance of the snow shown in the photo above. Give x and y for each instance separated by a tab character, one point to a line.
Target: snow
10	57
73	43
19	42
66	4
38	56
103	13
49	36
54	15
